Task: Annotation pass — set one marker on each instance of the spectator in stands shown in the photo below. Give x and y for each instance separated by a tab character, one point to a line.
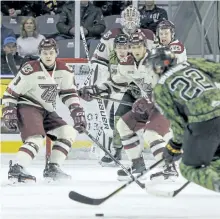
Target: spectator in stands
91	20
5	32
29	38
10	60
111	7
151	15
17	8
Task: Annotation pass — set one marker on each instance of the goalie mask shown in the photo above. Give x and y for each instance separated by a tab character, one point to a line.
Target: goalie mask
130	19
48	51
161	59
165	32
121	46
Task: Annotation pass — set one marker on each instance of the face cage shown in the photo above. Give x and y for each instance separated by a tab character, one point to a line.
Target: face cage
130	20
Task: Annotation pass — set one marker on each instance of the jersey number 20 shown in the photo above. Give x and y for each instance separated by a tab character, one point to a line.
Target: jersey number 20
191	89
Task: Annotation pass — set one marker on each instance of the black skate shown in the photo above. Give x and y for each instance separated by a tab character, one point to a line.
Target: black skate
169	172
53	171
17	173
107	161
138	166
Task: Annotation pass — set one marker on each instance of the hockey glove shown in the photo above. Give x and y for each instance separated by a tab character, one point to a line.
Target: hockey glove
88	92
172	151
9	116
78	115
143	106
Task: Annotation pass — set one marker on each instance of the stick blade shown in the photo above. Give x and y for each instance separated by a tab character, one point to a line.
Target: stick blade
84	199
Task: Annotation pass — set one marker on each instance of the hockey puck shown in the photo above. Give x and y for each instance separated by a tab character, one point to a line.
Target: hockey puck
99	215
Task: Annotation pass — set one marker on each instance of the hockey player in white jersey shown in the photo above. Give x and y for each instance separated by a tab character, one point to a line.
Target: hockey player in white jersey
130	20
165	33
29	105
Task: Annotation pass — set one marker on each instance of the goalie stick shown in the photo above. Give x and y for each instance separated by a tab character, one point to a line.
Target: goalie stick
97	201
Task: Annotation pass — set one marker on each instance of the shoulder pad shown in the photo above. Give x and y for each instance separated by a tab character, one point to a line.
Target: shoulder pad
112	33
129	60
30	67
60	65
148	34
176	47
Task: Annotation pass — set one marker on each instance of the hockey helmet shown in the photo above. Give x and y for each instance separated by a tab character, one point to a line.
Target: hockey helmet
166	25
130	19
121	39
48	44
161	59
137	38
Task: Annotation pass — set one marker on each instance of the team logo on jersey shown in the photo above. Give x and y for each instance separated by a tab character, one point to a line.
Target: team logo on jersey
144	86
50	93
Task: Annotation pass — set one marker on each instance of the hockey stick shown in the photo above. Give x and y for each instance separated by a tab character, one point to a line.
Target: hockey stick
168	194
114	100
11	64
142	185
87	56
97	201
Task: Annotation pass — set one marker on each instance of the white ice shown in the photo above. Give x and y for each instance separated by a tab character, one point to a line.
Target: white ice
51	201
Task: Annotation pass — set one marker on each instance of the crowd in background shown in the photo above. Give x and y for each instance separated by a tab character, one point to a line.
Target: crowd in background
24	47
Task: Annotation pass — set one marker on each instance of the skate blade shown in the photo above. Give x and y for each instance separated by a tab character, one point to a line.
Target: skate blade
16	181
127	178
161	178
57	180
112	164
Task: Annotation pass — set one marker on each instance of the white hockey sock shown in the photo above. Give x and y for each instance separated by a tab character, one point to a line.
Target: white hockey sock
27	153
132	146
60	151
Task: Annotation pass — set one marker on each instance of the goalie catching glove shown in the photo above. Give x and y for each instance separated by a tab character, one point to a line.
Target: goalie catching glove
88	92
9	116
78	115
172	151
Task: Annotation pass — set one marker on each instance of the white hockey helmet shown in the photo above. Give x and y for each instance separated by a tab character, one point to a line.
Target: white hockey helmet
130	19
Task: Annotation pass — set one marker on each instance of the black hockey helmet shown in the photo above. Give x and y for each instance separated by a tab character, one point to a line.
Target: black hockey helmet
161	59
121	39
165	24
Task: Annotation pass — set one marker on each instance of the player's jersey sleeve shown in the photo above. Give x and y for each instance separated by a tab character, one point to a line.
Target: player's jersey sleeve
164	102
19	86
211	68
101	56
180	51
68	92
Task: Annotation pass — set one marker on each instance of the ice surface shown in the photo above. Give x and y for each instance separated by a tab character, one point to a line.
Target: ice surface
50	201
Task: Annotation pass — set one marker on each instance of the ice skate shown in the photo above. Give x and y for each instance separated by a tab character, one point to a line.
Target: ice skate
106	161
138	166
53	171
169	173
18	174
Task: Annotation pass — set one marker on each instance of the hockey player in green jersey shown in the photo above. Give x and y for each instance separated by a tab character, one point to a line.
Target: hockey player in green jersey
188	96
